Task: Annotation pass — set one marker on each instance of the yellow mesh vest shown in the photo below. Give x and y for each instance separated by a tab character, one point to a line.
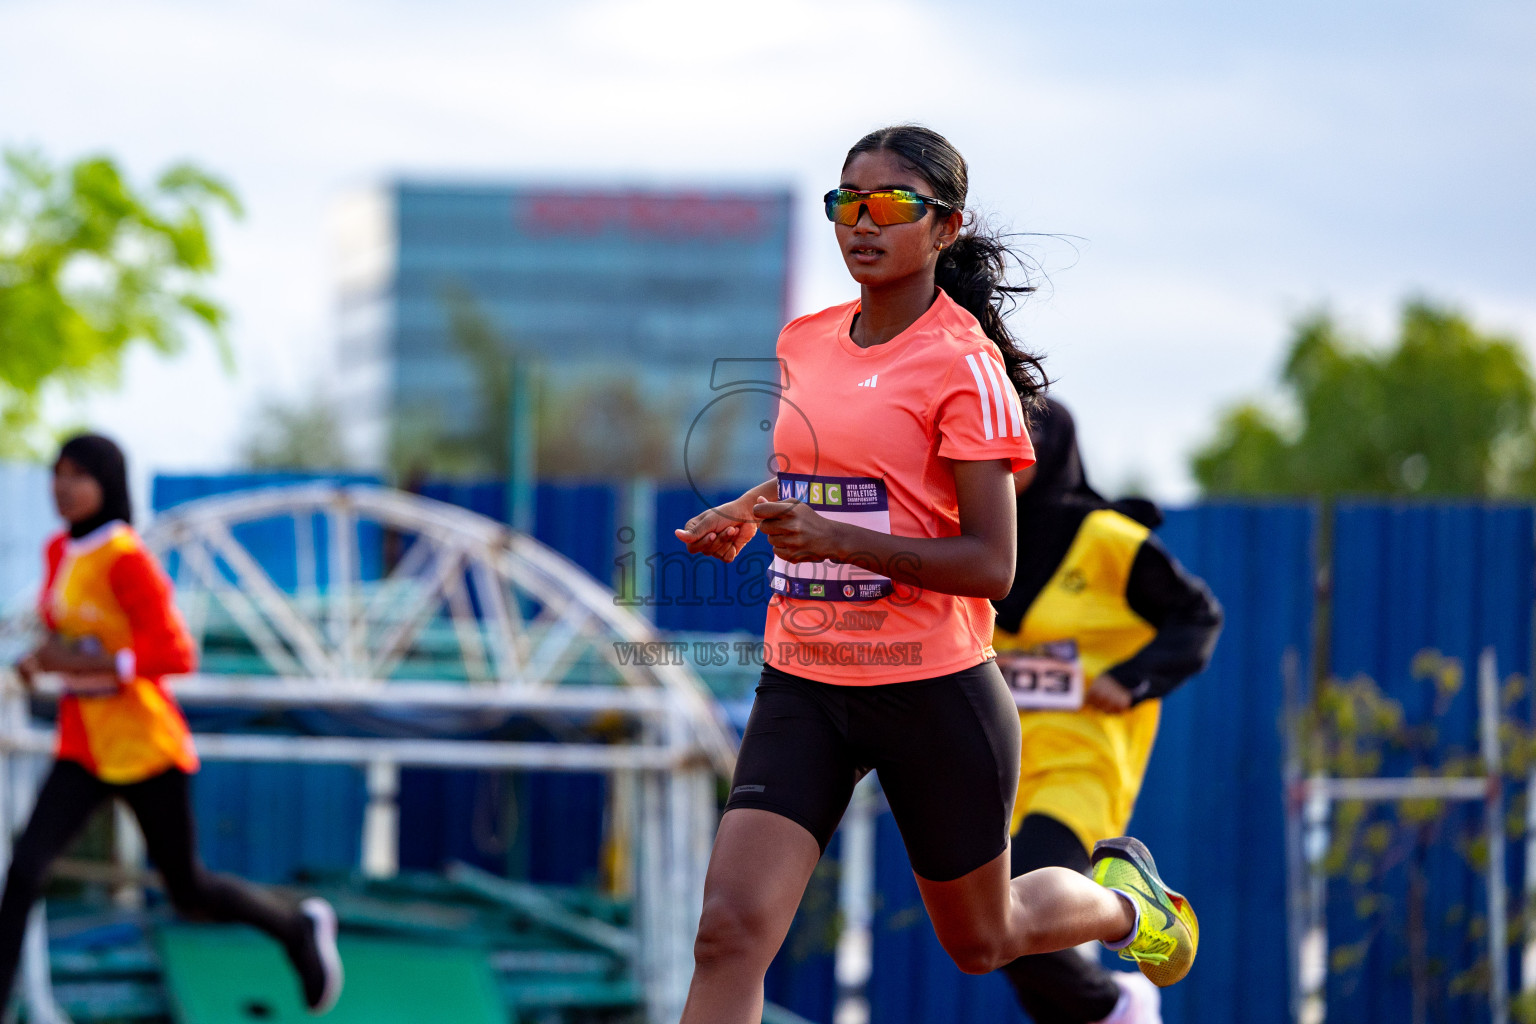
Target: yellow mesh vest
1084	768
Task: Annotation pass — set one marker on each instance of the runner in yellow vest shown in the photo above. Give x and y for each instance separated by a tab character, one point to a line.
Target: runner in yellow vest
1100	624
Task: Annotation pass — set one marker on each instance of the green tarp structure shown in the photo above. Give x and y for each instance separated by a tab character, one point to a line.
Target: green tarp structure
220	975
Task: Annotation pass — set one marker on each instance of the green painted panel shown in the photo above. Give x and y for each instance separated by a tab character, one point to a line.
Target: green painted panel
229	975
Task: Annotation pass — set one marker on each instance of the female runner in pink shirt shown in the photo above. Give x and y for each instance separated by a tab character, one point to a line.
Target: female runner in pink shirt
903	417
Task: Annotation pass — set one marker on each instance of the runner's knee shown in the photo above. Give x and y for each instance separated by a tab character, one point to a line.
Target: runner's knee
975	954
981	949
733	929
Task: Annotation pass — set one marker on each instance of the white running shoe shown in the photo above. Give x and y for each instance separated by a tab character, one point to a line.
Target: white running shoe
1140	1001
316	958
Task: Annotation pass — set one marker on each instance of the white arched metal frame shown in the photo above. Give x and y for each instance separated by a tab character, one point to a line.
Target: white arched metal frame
339	643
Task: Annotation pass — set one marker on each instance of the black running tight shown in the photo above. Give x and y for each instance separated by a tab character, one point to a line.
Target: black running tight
163	807
1064	987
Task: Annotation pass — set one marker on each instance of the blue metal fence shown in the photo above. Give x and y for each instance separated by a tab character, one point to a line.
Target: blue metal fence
577	520
695	592
485	818
1410	579
1212	808
269	822
264	821
274	542
1211	811
1452	578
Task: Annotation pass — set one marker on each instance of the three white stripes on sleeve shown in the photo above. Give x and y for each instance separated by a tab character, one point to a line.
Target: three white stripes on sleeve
992	389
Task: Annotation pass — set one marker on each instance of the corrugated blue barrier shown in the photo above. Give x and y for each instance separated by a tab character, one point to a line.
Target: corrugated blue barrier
1405	579
678	591
577	520
1211	810
445	815
695	592
1454	578
801	977
273	541
542	827
267	821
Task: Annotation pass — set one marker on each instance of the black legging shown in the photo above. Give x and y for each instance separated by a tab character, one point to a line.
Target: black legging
1064	987
163	806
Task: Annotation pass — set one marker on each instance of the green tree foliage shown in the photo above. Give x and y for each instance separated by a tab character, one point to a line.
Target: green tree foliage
89	266
601	425
1447	410
420	444
1350	730
301	435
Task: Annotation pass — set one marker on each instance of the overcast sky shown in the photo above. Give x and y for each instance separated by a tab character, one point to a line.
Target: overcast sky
1219	168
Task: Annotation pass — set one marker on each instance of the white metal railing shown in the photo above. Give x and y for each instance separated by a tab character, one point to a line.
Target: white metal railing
1309	804
671	817
521	618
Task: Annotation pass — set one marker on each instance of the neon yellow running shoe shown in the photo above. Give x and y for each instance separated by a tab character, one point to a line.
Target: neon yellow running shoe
1168	933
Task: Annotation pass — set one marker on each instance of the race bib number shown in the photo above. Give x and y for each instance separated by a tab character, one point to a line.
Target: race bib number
848	499
1044	680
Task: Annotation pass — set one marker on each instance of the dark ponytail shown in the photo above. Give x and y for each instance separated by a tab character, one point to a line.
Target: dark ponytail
972	270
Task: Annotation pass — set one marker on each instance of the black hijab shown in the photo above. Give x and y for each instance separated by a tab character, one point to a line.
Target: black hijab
103	460
1052	508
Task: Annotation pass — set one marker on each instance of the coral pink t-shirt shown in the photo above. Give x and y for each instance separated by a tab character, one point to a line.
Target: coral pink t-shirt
867	436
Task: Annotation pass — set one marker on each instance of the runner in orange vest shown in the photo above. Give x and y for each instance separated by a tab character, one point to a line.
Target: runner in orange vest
114	635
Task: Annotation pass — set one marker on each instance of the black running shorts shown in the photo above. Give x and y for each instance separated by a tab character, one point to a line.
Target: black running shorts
946	750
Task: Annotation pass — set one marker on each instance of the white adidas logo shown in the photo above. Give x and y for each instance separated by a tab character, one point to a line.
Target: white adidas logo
869	383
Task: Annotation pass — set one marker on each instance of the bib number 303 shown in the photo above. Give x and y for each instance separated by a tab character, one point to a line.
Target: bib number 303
1041	683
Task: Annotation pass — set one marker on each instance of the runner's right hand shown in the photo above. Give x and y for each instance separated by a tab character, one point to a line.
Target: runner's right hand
91	684
27	670
1107	694
718	532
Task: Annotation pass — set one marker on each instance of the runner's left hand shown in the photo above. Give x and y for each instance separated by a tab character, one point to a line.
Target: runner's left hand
1108	695
718	532
796	532
27	670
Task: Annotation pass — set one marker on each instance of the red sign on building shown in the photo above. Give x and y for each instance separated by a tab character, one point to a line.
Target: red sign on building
644	214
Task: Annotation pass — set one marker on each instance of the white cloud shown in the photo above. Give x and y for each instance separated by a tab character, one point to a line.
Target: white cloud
1225	169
